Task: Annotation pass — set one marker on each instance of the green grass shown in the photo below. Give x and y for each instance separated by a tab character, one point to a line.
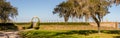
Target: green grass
68	34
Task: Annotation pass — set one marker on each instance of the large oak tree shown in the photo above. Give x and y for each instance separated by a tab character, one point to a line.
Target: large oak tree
7	11
95	9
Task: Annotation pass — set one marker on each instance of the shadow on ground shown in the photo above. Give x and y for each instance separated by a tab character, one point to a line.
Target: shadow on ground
66	34
48	34
81	32
111	31
8	27
87	32
116	37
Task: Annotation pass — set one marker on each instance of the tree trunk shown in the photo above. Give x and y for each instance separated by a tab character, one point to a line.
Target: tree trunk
98	24
97	21
66	19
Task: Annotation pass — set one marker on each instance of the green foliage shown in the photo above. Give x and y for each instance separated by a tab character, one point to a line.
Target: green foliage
95	9
7	11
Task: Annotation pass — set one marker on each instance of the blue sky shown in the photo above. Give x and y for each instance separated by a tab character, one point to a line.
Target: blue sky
43	9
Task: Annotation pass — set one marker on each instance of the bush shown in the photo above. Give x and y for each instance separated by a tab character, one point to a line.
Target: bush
8	27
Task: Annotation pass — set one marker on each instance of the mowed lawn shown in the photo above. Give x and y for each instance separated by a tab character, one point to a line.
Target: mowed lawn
68	34
102	35
69	31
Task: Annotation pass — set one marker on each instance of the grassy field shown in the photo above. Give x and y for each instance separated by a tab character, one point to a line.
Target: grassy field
56	23
69	34
69	30
65	26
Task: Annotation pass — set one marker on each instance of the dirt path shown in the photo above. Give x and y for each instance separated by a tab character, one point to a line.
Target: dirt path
9	35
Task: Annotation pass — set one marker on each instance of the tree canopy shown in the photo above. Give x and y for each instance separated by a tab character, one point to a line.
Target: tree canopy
95	9
7	11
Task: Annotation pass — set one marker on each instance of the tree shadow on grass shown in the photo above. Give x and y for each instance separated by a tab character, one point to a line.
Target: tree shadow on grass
111	31
81	32
67	34
116	37
8	27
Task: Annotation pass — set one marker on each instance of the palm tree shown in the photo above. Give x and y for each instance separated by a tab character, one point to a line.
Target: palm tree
7	11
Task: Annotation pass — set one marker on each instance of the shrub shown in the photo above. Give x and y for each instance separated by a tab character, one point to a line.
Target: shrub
8	27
